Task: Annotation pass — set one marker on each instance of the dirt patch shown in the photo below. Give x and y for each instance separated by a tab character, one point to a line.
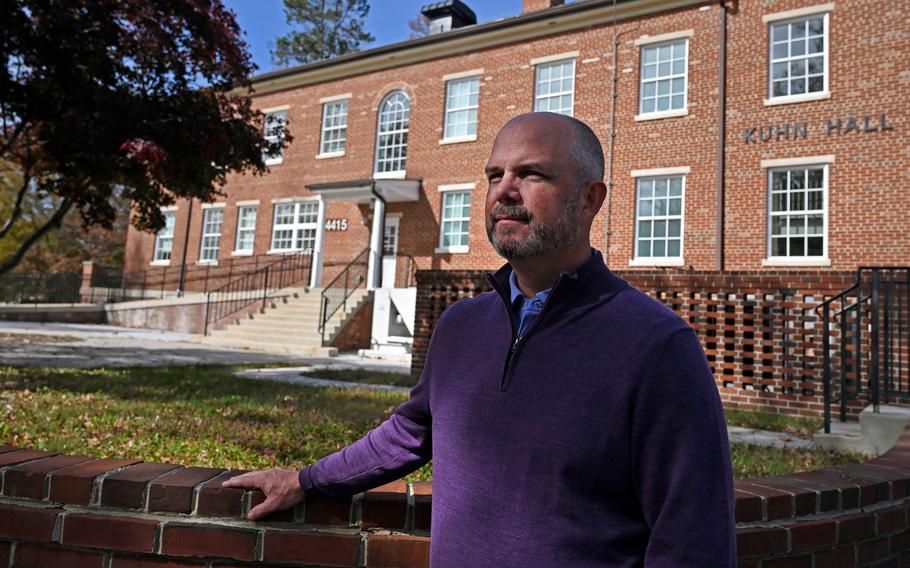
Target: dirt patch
29	338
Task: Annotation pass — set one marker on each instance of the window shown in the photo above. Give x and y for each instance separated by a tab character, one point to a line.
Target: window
554	87
798	57
461	108
663	77
246	228
164	240
295	226
211	234
797	225
334	127
392	133
659	223
273	131
456	213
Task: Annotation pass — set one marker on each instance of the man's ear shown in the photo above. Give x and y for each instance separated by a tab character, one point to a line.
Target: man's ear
592	198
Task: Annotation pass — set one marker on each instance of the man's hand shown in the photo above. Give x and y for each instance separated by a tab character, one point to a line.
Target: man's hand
281	487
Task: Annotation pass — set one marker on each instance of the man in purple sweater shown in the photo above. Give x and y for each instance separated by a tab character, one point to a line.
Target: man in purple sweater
571	419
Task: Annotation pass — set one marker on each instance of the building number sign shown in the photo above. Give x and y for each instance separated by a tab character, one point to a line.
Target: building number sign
336	224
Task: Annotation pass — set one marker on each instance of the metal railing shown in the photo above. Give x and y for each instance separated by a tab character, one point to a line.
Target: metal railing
870	324
336	293
256	286
165	281
26	288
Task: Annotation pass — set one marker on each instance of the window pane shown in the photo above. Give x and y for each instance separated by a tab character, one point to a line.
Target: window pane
779	247
816	201
816	225
816	246
675	206
660	228
673	248
644	228
780	70
779	50
816	26
779	32
673	228
660	248
644	248
816	45
816	84
797	246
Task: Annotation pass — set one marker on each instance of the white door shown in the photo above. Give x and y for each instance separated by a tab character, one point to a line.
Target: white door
389	252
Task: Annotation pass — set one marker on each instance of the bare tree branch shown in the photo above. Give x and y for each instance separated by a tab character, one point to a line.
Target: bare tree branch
53	222
17	207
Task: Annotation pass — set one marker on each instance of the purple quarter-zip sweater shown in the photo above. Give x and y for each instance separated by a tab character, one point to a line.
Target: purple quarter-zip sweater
596	440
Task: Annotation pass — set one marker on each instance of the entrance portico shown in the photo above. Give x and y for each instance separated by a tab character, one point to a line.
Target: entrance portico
378	192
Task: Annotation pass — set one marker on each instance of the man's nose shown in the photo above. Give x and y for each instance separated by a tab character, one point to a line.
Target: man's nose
507	190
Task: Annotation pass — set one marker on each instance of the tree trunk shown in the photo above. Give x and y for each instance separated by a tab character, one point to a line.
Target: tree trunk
54	222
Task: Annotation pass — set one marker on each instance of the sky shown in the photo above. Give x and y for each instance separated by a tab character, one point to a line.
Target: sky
263	21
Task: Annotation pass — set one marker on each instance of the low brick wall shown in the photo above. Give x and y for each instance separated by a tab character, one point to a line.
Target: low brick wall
58	510
759	329
60	313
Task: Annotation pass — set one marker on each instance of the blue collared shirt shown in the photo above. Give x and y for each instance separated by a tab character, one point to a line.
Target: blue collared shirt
525	310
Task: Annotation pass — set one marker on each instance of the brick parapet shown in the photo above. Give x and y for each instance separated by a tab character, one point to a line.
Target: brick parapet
850	516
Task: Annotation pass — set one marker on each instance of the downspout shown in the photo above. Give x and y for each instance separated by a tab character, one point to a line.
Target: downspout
610	144
186	242
385	207
721	136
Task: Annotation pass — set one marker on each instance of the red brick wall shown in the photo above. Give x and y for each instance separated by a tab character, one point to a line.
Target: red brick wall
868	203
58	510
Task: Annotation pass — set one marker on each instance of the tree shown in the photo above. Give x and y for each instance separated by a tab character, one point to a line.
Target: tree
330	28
107	98
420	26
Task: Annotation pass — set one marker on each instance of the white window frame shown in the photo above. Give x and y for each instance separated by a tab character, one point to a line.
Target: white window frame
539	99
444	191
165	234
333	108
473	91
207	232
242	230
790	165
296	227
388	138
666	260
272	132
787	18
647	43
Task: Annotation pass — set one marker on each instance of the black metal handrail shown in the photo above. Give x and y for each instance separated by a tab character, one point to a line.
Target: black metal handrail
882	297
28	288
256	286
336	293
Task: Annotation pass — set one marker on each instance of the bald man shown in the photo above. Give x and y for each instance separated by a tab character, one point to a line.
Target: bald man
571	419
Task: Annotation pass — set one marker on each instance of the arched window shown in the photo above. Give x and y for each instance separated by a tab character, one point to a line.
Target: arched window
392	133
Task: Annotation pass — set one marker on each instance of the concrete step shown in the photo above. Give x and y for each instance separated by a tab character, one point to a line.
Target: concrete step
874	434
299	349
276	335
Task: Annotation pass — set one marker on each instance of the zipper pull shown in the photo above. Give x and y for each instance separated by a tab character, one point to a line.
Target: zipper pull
514	345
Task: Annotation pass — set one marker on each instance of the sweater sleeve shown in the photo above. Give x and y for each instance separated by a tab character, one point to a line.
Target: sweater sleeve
681	455
398	446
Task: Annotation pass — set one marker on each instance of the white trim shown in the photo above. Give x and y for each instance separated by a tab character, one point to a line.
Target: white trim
657	261
274	161
799	12
288	251
219	205
206	263
661	171
798	261
458	139
242	252
555	57
167	208
805	161
246	202
334	98
801	98
270	110
396	215
463	74
648	39
663	114
328	155
295	199
160	263
456	186
400	174
457	249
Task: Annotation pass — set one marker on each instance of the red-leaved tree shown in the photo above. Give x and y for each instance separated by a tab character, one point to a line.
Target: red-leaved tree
132	97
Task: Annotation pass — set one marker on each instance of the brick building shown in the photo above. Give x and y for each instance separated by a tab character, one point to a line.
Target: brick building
767	137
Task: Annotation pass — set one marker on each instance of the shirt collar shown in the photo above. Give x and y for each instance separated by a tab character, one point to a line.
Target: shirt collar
517	293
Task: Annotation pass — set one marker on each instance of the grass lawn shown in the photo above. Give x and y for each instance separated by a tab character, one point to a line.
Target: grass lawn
363	376
205	416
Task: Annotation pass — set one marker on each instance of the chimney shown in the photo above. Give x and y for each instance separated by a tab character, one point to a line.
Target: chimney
448	15
528	6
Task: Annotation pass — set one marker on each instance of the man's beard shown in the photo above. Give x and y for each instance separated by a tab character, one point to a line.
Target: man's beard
541	238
